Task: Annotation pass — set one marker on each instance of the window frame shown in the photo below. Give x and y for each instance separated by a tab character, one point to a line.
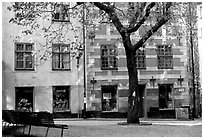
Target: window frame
67	89
61	54
60	19
141	54
165	55
109	56
24	52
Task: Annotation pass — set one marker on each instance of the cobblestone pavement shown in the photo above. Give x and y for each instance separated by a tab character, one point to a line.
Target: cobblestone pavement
111	128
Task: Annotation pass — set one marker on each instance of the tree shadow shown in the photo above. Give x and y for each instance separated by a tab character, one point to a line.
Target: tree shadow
14	131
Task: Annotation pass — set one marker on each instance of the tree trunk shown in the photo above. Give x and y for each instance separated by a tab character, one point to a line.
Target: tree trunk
133	107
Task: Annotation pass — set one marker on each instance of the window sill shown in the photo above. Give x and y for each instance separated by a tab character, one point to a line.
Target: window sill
165	68
109	68
61	69
55	20
24	69
110	111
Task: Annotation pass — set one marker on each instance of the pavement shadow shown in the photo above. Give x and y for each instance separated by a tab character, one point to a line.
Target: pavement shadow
136	124
15	131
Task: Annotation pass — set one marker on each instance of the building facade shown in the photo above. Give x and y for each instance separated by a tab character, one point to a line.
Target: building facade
165	81
53	84
57	84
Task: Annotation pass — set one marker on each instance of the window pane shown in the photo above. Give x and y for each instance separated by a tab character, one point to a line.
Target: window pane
19	64
65	48
29	64
56	61
112	62
28	56
104	62
55	48
104	51
61	12
65	61
140	58
112	51
19	56
19	47
28	47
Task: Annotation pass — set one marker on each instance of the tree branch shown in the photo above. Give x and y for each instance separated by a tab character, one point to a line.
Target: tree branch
143	19
166	18
111	12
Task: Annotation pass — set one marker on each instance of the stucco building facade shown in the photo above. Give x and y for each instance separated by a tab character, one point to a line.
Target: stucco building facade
54	84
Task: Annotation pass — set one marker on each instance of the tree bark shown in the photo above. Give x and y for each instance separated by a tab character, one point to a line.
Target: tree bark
133	109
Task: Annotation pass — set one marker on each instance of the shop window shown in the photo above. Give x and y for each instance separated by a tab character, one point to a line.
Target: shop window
165	57
61	57
140	58
24	60
61	13
109	101
24	94
108	57
61	98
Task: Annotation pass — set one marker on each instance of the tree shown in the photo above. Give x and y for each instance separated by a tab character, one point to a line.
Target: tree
136	15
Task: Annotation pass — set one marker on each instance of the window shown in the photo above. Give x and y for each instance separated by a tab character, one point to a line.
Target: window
61	13
24	60
61	57
140	58
164	55
61	99
109	102
25	93
108	57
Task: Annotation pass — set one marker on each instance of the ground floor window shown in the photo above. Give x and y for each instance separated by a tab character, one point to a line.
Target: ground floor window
166	96
24	98
109	101
61	98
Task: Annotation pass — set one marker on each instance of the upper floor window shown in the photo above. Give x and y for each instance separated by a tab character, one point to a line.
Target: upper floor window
61	57
24	60
108	57
165	57
140	58
61	13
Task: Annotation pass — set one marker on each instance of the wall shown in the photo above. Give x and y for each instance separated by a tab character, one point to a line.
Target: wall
42	78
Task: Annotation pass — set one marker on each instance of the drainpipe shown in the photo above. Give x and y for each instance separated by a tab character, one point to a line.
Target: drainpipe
84	62
192	58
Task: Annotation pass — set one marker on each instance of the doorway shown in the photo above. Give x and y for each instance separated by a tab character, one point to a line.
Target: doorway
165	96
141	100
109	101
24	93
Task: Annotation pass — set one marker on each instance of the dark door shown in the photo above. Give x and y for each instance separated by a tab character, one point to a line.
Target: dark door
165	95
24	93
141	100
109	101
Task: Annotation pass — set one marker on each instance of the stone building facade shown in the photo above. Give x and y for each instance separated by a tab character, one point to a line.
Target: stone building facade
165	81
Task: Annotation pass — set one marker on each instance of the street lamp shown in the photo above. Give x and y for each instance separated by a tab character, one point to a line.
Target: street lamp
180	80
80	53
93	81
153	81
